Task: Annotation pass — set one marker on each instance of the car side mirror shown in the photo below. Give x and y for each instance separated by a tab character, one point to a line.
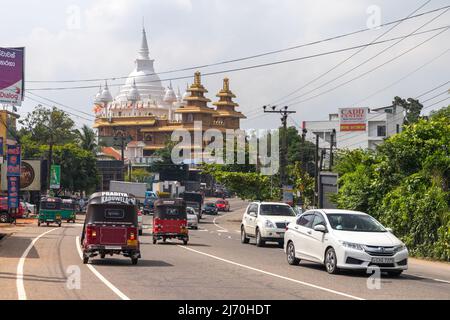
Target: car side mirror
320	228
389	230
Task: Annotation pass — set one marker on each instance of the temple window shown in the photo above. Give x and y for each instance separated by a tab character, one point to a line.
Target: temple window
190	117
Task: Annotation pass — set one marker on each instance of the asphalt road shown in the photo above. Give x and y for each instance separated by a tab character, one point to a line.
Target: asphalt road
44	263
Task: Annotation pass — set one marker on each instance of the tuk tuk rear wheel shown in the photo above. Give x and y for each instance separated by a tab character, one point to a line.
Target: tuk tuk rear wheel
154	240
39	223
102	255
85	259
48	223
185	242
134	261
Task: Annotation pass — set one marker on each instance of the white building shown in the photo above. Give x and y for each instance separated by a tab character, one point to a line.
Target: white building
381	123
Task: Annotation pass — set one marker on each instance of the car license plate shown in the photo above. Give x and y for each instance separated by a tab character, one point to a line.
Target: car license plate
382	260
132	243
113	247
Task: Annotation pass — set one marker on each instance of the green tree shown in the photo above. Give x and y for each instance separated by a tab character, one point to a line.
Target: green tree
412	106
50	126
87	139
139	175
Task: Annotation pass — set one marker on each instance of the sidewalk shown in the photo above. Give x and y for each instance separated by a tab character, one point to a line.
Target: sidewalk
7	228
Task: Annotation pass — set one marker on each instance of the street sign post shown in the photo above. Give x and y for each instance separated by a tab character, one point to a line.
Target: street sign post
55	176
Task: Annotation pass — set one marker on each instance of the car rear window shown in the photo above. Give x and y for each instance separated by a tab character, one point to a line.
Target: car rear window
114	213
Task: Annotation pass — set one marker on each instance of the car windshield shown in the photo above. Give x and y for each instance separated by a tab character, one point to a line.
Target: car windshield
277	210
354	222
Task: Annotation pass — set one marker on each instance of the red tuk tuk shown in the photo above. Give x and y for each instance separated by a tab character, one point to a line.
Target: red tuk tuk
111	226
170	220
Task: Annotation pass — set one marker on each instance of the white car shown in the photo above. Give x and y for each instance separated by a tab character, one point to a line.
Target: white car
192	218
342	239
266	221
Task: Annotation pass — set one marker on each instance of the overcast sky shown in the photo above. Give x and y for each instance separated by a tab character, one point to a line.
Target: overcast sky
184	33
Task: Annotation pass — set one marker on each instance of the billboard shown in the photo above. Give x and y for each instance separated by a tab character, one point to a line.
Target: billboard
13	161
12	61
30	176
13	192
353	119
55	176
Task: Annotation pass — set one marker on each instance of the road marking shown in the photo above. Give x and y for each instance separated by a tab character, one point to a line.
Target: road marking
221	228
419	276
272	274
22	295
99	275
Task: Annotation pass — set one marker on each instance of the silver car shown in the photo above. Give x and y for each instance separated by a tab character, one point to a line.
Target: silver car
192	218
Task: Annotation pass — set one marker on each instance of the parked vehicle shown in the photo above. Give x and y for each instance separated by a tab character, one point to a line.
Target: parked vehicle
68	210
343	239
111	227
192	218
170	220
210	208
140	222
194	200
266	221
50	211
4	215
222	205
150	198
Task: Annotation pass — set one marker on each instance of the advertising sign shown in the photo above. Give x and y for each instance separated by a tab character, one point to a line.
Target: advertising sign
288	195
13	192
353	119
30	176
55	176
13	161
12	62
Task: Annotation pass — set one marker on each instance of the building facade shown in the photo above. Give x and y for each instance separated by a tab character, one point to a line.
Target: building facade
380	124
145	114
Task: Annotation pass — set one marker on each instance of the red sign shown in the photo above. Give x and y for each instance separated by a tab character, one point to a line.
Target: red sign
353	119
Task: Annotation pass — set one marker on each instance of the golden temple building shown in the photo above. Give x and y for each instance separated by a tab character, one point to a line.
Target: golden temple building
146	114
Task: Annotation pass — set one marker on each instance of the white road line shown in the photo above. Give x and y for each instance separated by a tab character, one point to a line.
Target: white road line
99	275
273	274
221	228
419	276
22	295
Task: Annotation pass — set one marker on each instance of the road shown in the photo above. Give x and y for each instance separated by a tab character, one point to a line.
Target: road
42	263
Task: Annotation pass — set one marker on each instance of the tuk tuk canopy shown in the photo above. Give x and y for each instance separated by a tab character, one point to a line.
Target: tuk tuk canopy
112	208
48	203
68	204
170	209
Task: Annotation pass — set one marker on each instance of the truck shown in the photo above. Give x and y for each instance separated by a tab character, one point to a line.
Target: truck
135	188
195	201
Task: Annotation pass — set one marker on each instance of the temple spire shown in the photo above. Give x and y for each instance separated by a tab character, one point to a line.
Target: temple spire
144	51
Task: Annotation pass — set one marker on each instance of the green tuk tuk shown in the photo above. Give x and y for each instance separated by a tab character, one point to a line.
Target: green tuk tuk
68	210
50	211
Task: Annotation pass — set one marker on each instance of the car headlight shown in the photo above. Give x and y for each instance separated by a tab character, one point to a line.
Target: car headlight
269	224
351	245
399	248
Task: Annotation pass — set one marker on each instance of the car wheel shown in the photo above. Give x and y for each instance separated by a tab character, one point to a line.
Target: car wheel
290	254
394	273
102	255
244	238
185	242
4	218
331	261
259	240
154	240
85	259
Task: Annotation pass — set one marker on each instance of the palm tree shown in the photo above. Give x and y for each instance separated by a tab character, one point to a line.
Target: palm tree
87	139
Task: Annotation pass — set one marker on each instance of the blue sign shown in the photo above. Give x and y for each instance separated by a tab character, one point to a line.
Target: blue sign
13	192
13	161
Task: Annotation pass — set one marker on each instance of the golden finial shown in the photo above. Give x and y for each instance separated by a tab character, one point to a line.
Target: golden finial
197	80
226	84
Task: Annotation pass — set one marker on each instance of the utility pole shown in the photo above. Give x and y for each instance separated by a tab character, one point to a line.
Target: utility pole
333	135
121	135
302	150
283	159
316	172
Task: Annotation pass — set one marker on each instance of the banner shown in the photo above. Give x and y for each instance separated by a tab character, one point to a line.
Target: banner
353	119
13	161
13	192
12	61
55	176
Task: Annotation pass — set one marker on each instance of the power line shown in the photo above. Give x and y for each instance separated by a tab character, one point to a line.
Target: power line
434	97
429	91
44	104
252	56
347	59
366	60
371	70
58	103
247	67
